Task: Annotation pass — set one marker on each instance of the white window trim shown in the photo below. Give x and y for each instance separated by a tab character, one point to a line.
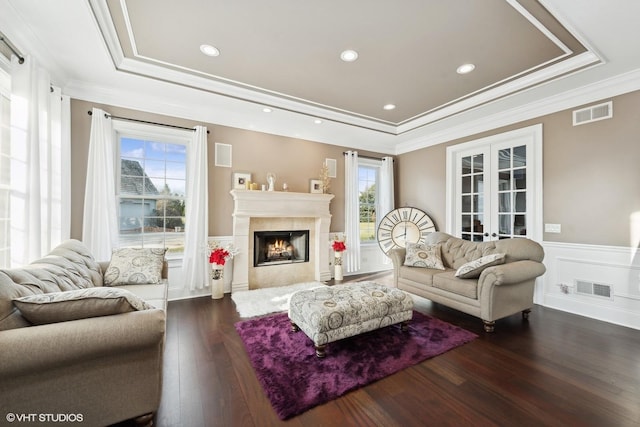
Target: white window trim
147	132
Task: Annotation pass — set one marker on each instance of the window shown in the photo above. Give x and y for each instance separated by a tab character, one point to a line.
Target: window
151	190
368	173
5	175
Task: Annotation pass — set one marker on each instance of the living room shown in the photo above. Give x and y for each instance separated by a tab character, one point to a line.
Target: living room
587	217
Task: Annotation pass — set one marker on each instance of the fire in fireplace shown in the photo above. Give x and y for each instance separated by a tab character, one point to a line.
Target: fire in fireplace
280	247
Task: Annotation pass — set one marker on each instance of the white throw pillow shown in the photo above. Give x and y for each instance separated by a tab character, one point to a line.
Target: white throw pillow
423	255
135	266
472	269
55	307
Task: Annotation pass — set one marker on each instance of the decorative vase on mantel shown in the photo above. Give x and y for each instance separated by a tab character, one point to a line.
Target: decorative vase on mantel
216	279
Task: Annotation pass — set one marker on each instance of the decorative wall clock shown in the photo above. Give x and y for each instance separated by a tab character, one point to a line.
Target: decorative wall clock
402	226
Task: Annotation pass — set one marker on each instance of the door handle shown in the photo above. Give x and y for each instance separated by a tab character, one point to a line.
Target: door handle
494	235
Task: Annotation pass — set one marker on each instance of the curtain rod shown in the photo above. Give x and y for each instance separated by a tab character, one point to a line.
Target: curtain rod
144	121
13	49
366	157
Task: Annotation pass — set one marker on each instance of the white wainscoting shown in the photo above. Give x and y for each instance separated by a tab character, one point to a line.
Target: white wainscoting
617	267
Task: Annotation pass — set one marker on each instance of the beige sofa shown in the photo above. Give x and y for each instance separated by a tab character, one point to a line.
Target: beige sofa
92	371
499	291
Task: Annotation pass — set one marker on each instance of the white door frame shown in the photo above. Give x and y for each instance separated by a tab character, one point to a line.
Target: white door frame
530	133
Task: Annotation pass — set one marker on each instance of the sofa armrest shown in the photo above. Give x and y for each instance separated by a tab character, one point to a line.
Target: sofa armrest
397	256
511	272
30	349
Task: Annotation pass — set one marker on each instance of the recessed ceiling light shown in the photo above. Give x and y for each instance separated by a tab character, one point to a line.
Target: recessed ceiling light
349	55
317	121
267	110
389	107
209	50
465	68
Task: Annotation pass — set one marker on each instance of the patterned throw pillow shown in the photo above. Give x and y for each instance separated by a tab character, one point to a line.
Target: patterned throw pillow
423	255
78	304
472	269
135	266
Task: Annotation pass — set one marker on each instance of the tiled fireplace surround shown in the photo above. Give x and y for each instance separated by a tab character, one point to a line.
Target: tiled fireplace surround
279	211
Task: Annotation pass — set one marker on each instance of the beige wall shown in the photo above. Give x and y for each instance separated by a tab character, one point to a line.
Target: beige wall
294	161
591	175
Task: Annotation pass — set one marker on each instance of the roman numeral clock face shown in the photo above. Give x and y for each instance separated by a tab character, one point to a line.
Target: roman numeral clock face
402	226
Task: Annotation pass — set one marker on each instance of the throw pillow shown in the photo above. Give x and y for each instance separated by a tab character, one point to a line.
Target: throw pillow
472	269
134	266
423	255
78	304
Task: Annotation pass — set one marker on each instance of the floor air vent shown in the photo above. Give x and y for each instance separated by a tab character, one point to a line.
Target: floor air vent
595	289
593	113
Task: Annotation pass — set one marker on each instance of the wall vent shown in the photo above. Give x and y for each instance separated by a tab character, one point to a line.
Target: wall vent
596	289
593	113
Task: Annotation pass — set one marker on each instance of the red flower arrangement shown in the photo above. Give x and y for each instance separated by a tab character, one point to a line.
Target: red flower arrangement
339	246
218	256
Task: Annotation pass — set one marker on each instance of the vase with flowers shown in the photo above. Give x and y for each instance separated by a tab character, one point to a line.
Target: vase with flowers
218	257
338	247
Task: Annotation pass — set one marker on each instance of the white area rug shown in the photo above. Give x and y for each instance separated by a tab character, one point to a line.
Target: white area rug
259	302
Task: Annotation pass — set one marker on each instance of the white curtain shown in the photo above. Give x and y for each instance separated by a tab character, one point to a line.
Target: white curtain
351	256
386	194
100	222
40	147
195	265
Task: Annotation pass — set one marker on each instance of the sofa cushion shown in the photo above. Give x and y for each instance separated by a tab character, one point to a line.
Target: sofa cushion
448	282
67	267
472	269
78	304
425	256
131	266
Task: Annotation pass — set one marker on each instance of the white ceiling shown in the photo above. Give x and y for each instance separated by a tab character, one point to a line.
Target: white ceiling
532	57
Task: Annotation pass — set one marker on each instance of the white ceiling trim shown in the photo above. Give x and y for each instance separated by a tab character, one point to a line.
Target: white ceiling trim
614	86
544	75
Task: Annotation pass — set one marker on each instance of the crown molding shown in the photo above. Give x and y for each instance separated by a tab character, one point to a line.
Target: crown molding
618	85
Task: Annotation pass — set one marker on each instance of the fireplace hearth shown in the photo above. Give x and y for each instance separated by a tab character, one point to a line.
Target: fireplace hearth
280	247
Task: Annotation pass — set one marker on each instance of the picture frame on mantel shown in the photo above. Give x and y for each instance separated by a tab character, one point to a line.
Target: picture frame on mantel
315	186
240	180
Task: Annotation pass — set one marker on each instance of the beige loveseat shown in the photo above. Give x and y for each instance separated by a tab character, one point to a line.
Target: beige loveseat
93	371
498	291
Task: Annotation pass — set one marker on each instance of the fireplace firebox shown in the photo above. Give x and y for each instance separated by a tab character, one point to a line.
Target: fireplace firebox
280	247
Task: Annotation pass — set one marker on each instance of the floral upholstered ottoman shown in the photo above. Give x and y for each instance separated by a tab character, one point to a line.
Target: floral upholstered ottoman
331	313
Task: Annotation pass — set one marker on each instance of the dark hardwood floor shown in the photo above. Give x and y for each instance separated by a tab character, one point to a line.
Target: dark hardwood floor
557	369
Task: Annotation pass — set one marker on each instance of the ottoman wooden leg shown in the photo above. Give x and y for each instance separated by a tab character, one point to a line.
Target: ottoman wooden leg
294	327
404	326
321	351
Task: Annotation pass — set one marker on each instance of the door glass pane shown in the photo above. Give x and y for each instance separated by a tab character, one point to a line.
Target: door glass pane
478	163
505	224
466	204
504	200
466	223
521	201
478	183
466	184
504	159
504	181
478	224
478	202
466	165
519	156
520	178
519	225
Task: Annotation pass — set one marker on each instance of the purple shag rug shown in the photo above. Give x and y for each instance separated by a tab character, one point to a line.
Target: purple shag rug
295	380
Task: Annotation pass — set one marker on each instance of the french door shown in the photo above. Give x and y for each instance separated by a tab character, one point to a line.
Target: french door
495	186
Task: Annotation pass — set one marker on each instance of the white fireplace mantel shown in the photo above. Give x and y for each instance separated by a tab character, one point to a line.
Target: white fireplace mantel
279	204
